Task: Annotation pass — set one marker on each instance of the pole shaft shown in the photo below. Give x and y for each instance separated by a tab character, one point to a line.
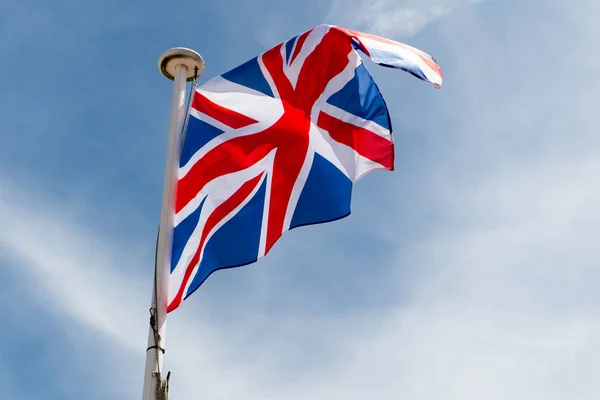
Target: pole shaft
165	236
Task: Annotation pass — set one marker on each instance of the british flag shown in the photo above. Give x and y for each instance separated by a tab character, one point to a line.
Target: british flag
278	143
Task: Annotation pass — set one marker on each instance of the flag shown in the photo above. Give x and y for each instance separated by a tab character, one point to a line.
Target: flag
277	143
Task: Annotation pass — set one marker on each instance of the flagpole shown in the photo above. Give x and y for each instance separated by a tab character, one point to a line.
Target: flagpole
180	65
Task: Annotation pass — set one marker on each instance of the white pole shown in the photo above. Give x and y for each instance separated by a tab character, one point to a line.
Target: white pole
179	65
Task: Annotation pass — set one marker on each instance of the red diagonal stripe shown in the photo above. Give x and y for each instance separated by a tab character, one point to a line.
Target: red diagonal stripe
365	142
315	75
231	118
217	216
299	43
231	156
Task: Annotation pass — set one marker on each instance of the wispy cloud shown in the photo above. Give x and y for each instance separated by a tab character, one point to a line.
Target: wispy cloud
392	17
78	272
503	300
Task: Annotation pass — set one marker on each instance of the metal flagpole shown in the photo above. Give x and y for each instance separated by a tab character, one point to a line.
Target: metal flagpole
181	65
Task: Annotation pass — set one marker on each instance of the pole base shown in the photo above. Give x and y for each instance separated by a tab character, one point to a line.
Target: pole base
181	56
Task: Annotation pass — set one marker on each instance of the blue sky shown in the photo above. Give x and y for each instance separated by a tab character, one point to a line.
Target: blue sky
470	272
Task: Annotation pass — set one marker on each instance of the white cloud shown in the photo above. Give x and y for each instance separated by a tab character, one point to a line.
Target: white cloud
75	270
392	17
503	313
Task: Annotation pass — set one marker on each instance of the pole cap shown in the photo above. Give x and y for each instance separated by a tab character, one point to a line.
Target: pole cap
178	56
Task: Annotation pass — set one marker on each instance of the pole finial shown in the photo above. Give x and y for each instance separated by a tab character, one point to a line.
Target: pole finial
178	56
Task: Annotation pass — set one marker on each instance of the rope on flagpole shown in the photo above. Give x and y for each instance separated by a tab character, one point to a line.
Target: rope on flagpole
156	347
162	387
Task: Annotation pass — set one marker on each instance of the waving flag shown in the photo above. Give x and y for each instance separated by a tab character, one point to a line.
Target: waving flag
278	143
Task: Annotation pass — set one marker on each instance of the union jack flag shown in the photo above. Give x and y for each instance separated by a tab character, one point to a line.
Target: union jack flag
278	143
